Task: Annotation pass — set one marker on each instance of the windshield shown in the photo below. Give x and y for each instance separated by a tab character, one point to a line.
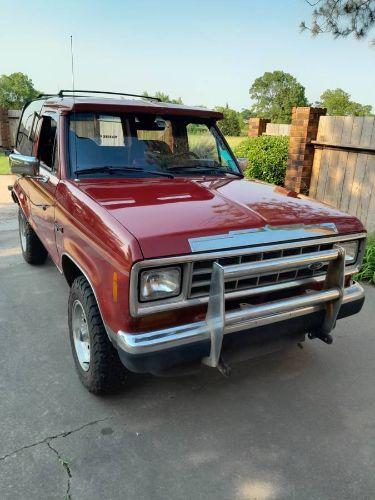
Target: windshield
146	144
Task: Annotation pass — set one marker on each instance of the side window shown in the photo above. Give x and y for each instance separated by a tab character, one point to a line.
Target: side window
47	147
27	127
205	143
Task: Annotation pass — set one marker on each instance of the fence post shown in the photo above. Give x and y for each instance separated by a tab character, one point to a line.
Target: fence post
304	129
6	140
257	126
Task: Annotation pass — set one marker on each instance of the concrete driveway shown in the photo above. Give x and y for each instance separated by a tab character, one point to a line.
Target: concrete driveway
298	424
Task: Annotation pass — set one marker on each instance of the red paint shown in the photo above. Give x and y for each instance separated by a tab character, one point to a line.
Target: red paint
108	224
130	106
163	214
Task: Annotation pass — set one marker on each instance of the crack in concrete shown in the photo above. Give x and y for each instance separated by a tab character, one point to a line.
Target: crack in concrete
47	440
65	463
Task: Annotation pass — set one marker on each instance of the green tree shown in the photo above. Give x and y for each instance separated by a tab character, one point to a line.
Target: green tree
15	90
274	94
338	102
246	114
231	123
341	18
163	97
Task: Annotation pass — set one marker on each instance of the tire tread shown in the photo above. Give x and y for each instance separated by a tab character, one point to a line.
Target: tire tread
35	253
106	372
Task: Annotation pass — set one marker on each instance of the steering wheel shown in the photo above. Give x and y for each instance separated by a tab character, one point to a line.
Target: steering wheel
186	153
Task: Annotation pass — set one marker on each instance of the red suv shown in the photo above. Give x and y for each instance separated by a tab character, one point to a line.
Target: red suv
172	257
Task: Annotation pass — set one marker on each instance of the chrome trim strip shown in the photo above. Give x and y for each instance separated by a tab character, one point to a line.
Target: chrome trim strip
260	236
138	310
160	340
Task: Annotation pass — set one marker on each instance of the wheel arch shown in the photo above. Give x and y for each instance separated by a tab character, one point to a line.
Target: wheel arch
71	270
15	197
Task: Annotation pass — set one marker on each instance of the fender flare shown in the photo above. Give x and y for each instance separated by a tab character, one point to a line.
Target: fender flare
84	273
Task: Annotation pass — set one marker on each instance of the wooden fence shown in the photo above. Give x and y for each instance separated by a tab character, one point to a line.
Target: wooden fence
11	127
343	173
14	116
277	129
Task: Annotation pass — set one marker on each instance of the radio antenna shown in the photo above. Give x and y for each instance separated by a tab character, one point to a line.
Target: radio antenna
74	104
72	61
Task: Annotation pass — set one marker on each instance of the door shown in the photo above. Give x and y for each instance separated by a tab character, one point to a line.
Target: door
42	190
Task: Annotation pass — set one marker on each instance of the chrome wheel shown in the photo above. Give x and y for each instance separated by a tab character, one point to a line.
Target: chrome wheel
22	230
81	335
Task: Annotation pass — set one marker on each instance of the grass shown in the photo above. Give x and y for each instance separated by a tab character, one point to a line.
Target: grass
367	271
198	139
234	141
4	164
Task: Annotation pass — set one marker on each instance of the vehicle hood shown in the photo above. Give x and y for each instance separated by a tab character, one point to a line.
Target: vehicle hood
163	214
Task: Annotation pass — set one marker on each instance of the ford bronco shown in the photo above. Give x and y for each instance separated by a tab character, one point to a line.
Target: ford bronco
173	258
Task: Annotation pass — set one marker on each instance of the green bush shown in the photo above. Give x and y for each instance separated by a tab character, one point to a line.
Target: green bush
267	157
367	271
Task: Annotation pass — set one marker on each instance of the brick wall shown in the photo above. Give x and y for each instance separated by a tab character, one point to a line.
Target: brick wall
257	126
304	129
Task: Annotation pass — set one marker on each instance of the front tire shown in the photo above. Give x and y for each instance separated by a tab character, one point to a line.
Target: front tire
97	362
33	250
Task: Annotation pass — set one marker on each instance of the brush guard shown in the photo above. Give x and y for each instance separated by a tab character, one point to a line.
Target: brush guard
331	295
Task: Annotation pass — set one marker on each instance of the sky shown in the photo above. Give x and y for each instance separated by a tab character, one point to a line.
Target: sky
208	52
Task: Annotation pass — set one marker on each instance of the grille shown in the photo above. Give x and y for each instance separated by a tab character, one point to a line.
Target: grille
201	271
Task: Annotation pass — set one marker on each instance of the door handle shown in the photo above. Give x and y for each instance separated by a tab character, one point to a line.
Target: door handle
58	228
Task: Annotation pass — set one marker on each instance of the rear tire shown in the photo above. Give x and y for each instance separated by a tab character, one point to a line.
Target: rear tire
33	250
97	362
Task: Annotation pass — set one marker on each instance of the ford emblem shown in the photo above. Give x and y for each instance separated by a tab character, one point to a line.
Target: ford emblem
315	266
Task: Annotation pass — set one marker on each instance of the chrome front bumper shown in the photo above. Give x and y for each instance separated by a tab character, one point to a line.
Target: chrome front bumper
220	322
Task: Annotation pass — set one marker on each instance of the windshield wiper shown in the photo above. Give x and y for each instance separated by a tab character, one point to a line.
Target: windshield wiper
113	170
237	174
208	171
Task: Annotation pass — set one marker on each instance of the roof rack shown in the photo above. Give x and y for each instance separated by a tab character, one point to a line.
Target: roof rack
41	96
61	93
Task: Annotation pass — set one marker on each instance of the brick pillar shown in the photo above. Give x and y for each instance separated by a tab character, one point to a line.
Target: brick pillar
6	141
257	126
304	129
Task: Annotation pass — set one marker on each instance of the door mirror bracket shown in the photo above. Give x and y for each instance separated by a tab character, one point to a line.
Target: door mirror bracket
243	163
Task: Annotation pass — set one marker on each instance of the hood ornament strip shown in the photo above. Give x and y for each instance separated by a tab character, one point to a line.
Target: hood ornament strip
261	236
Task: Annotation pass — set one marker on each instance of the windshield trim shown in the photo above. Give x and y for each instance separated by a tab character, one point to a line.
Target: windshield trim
210	122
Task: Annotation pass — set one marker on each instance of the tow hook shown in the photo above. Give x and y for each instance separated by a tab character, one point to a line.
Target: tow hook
223	368
325	337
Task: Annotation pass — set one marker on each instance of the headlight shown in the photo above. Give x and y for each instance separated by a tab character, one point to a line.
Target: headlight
351	251
160	283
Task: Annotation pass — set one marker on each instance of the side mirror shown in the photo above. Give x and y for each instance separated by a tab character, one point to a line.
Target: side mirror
24	165
243	163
